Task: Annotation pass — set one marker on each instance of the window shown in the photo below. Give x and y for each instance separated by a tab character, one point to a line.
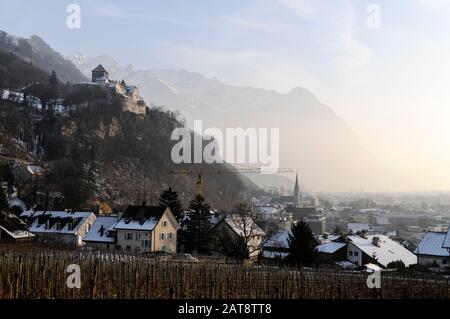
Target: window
163	248
146	243
170	236
128	236
128	248
355	254
138	236
161	236
350	253
165	223
444	261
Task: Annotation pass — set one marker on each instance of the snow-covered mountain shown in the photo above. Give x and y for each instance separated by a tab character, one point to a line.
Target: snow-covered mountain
313	139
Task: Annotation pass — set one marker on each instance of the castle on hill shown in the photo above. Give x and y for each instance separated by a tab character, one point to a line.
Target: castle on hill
133	101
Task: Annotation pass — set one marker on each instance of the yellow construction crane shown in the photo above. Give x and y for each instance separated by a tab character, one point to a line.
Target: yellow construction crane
244	170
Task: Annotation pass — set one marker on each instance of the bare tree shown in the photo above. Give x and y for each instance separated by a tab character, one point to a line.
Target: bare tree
250	236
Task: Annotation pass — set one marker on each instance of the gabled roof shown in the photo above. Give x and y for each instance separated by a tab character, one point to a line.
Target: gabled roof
329	248
100	231
446	243
140	218
432	245
63	222
100	68
13	226
278	240
243	225
387	251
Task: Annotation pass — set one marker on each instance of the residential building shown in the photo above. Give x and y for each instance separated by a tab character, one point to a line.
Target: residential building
332	251
277	245
431	251
144	229
377	249
59	227
13	230
243	227
102	234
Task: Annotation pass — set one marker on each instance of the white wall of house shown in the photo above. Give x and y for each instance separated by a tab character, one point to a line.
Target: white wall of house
134	241
354	254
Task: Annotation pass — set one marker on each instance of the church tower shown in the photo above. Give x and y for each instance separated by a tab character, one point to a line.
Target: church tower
296	192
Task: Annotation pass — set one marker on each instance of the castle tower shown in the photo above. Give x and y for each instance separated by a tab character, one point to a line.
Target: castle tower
296	192
100	75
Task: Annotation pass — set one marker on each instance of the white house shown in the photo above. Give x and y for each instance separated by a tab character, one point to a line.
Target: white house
59	227
144	229
377	249
431	250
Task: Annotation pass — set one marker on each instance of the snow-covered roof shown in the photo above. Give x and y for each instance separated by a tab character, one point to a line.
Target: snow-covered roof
446	243
148	224
17	234
329	248
387	251
100	230
12	202
431	244
278	240
55	221
357	227
13	226
140	218
243	226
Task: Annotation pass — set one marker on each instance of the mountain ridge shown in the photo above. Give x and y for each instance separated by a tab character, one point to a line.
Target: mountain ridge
315	140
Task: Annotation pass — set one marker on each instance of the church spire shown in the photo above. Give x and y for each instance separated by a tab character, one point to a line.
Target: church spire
296	192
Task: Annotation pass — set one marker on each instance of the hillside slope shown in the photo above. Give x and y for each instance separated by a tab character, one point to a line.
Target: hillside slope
100	152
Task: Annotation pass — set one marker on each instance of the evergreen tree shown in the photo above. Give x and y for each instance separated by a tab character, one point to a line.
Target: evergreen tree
197	233
337	230
301	244
169	198
3	200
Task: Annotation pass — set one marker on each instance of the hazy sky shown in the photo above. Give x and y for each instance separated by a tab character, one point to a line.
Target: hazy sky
390	84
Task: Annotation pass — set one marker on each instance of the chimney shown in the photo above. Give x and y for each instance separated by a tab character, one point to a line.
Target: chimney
364	234
102	230
376	241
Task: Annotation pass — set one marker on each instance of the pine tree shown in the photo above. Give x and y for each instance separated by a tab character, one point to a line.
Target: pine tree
301	244
169	198
197	233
